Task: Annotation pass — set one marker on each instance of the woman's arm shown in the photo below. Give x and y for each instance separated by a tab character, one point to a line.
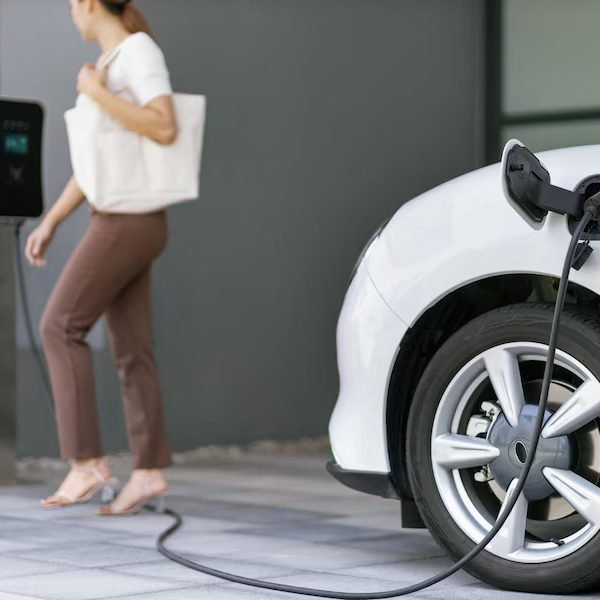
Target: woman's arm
155	120
67	202
41	237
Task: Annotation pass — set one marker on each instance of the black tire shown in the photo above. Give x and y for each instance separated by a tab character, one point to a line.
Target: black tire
579	336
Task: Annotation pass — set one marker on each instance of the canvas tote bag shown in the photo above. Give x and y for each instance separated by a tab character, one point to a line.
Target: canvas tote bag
124	172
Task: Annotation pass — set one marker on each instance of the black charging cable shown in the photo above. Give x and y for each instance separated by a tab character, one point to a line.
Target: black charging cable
18	224
591	211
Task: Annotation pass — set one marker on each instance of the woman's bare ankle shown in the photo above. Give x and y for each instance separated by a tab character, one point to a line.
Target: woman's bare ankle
147	472
148	475
88	462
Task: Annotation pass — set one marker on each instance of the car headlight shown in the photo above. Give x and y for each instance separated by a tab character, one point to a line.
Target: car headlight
367	247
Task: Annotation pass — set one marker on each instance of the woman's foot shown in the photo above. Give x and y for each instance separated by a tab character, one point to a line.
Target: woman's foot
85	479
143	486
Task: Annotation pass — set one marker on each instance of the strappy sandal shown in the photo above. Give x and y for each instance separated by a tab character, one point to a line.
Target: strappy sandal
147	493
102	483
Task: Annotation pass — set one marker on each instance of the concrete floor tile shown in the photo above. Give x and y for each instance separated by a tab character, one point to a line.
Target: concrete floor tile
315	531
88	584
173	571
306	556
407	572
201	525
12	566
220	543
164	570
8	546
15	505
244	568
336	582
4	596
217	592
386	522
136	541
257	497
90	555
35	513
48	534
344	507
144	523
8	524
241	513
403	545
480	591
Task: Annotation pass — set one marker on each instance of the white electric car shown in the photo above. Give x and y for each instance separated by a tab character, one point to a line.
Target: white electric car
442	342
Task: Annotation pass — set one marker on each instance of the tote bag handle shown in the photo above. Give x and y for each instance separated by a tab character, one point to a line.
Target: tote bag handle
107	59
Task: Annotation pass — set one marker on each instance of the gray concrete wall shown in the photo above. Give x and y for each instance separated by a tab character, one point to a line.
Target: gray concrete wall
324	117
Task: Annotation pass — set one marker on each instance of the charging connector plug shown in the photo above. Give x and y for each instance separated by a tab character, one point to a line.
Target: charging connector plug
584	250
593	205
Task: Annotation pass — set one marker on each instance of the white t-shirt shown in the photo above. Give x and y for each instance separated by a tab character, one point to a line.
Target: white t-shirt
139	72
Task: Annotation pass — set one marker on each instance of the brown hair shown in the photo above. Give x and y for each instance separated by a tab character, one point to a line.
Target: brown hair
132	17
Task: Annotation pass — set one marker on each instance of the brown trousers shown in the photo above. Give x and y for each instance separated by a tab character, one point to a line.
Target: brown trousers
108	273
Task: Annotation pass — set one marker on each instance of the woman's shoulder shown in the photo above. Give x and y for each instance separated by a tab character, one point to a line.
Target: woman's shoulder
140	45
141	68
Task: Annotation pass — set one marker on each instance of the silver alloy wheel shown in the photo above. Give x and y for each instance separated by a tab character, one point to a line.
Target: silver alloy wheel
461	453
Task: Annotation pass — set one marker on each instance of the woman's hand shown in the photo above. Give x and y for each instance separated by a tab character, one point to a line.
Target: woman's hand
91	80
37	244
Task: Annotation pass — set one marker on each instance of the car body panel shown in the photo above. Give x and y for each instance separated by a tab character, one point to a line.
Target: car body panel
367	340
454	234
466	230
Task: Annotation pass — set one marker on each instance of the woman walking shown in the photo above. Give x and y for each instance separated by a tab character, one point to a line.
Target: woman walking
109	273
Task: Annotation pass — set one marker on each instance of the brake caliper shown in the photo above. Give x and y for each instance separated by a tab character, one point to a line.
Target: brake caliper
478	426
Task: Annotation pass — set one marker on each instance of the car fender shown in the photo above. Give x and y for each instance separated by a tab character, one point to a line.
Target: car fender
466	229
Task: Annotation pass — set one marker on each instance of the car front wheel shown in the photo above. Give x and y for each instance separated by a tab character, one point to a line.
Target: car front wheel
470	427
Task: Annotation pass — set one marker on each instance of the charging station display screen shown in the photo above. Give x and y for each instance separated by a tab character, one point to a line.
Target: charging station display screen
21	125
16	144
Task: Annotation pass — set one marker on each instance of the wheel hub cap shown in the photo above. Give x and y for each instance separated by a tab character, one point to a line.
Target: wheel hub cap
514	444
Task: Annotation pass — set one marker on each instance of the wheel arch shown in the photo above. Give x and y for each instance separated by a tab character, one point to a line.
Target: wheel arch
436	324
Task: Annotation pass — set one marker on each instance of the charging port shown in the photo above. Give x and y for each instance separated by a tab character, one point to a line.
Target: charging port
587	188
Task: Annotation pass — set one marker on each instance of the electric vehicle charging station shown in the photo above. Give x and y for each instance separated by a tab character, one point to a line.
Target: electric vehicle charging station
21	125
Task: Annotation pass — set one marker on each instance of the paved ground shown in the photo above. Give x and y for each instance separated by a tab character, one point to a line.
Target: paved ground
281	518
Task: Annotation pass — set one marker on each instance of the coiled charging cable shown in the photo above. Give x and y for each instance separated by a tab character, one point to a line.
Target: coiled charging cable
591	210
